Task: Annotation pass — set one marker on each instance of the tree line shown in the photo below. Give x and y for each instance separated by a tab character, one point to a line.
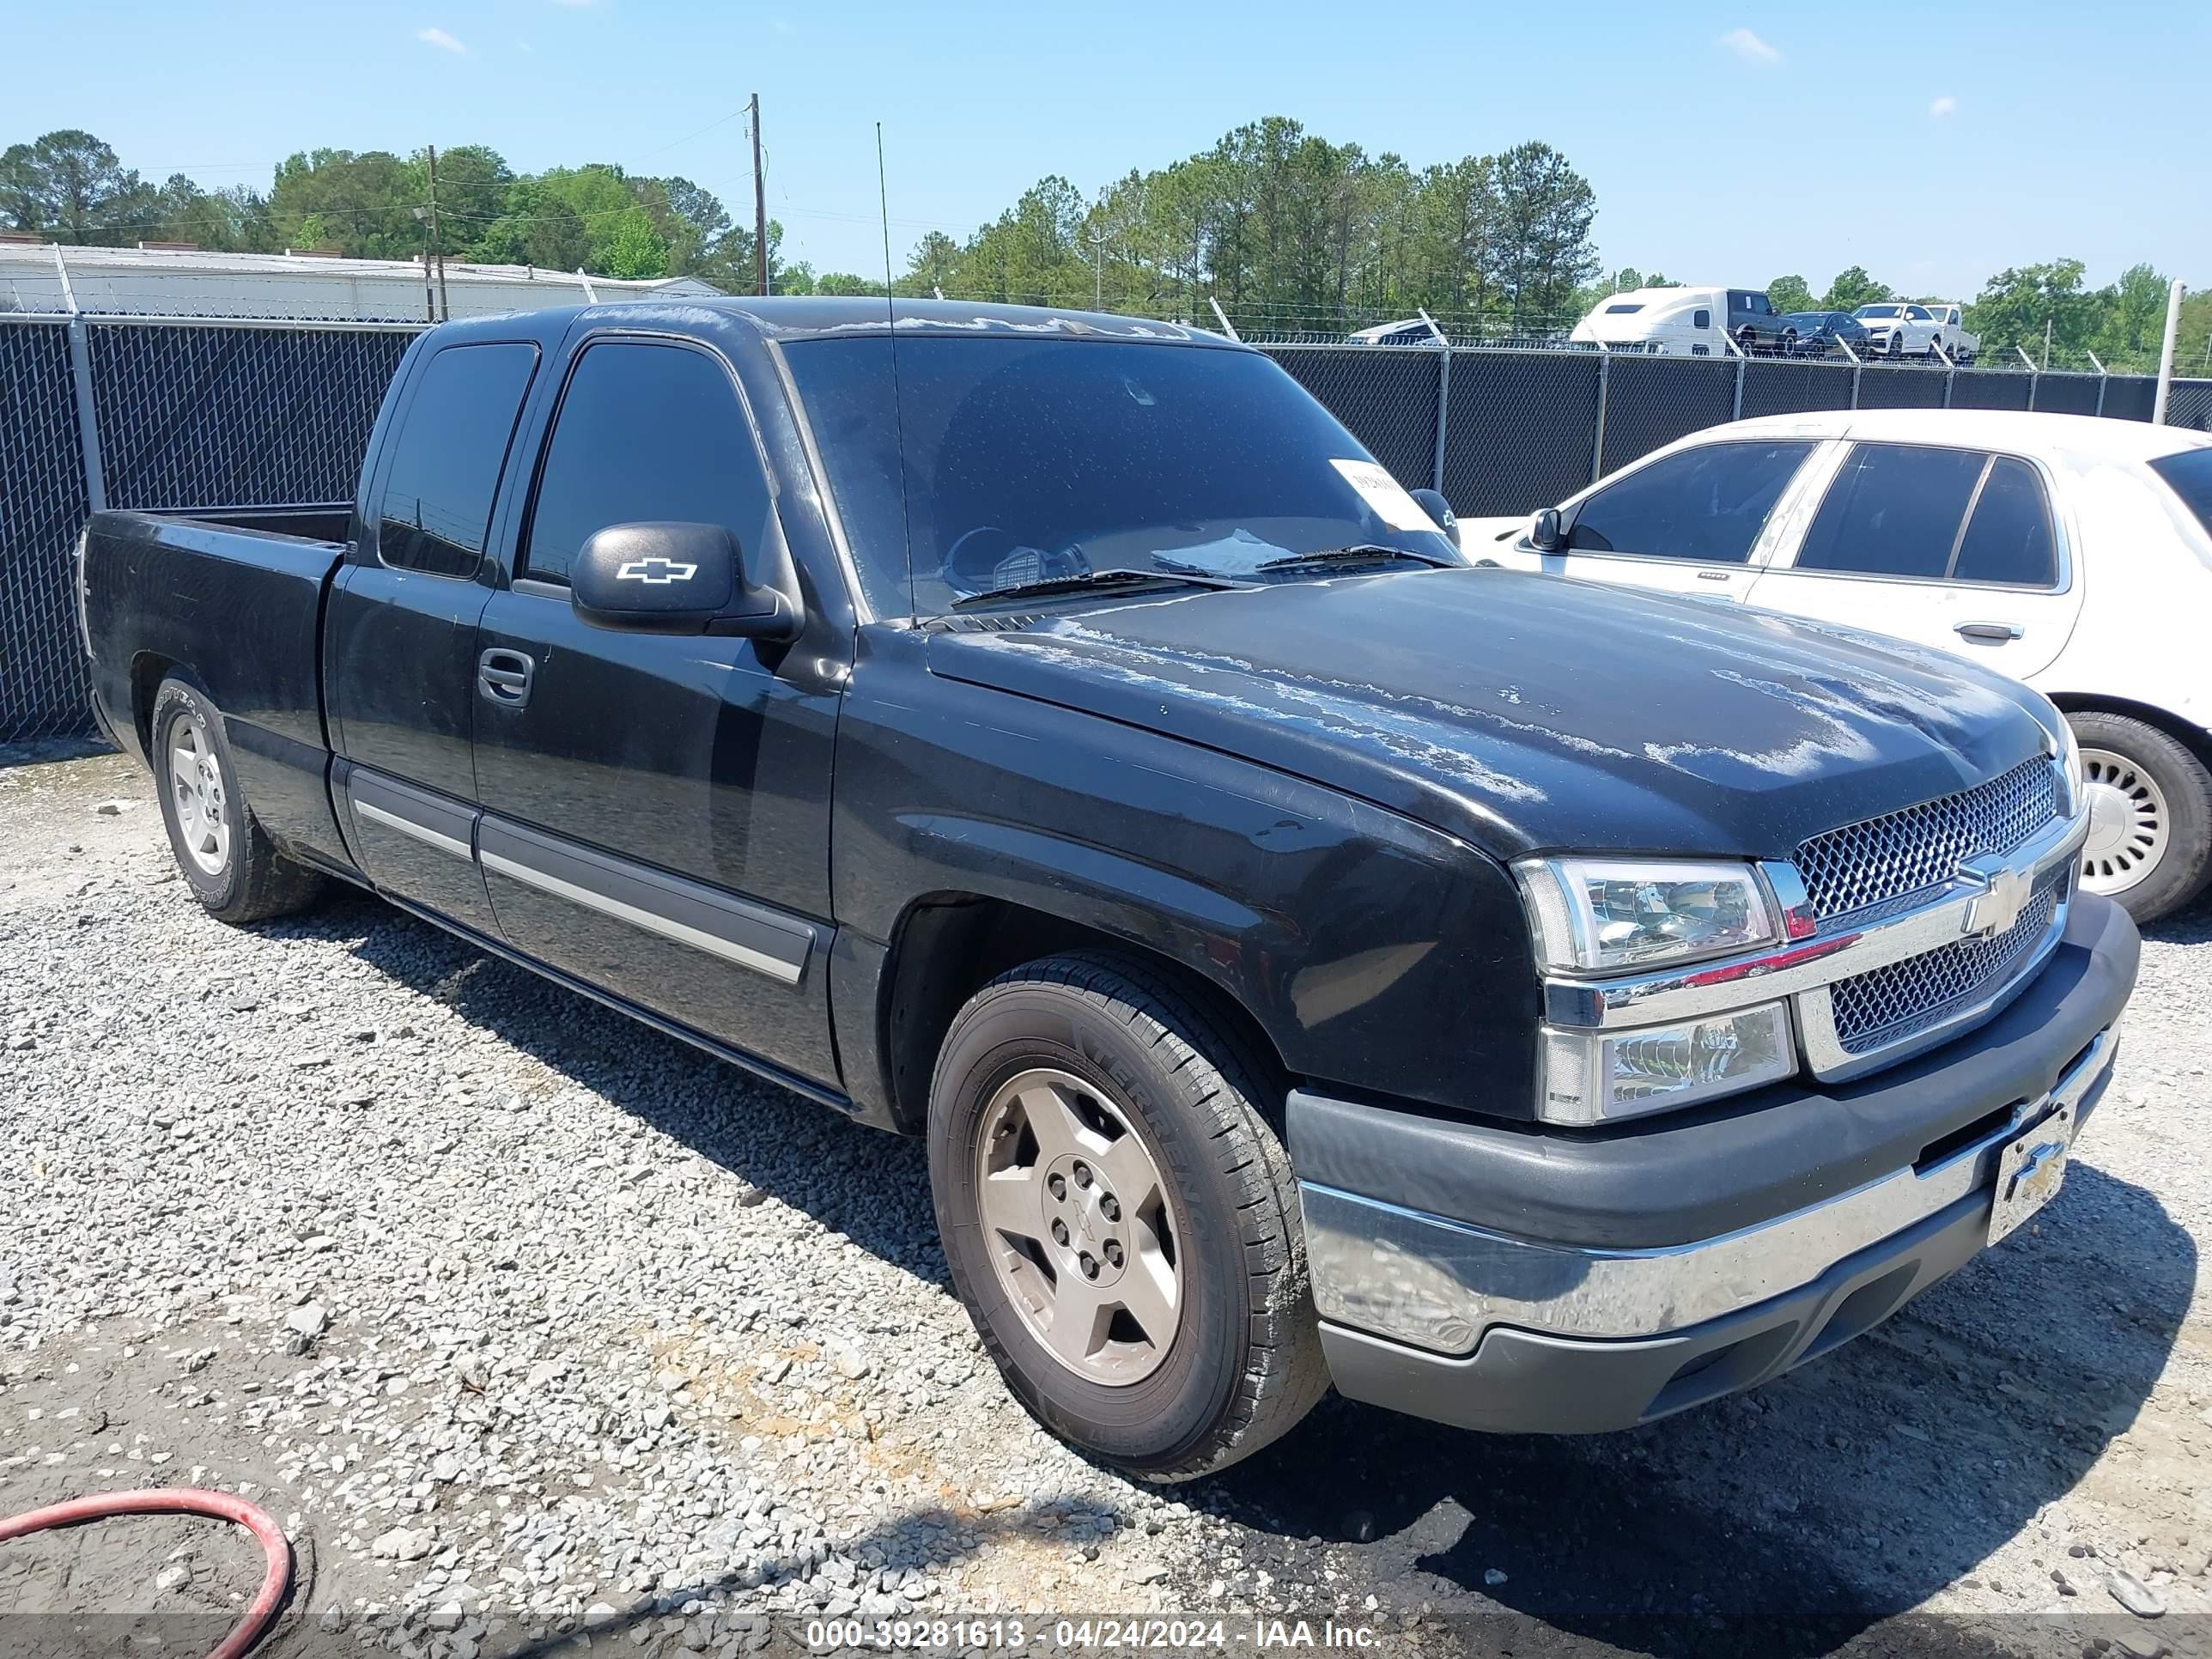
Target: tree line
1284	229
373	204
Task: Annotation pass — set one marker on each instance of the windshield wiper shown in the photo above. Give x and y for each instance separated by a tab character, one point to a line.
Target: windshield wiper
1092	581
1357	553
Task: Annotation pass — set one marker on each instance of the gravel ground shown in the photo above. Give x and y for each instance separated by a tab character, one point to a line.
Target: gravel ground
527	1321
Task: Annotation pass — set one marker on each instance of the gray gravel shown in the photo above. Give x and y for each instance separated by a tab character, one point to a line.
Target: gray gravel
525	1320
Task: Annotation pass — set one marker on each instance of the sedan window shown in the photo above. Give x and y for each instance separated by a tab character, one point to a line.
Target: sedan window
1894	510
2189	475
2009	539
1707	504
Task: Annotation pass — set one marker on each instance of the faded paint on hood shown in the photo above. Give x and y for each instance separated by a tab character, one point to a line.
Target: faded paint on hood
1525	714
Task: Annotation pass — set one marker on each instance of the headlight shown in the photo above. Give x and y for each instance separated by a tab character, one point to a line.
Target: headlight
1596	1077
2069	770
1598	915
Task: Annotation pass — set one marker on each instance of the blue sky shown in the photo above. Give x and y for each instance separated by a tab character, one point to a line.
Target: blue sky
1933	143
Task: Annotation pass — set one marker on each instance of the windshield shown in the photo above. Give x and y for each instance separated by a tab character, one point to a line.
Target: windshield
1029	460
1876	311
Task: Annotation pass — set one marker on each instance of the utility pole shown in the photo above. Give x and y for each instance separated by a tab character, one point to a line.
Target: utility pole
759	205
445	307
1098	270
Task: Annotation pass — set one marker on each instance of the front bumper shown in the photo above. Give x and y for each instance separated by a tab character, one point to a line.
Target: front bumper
1537	1282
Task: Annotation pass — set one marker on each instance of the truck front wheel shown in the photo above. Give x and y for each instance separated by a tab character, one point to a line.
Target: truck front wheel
229	861
1121	1219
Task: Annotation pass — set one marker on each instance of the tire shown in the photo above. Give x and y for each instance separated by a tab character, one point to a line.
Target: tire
225	857
1165	1094
1788	342
2150	825
1897	343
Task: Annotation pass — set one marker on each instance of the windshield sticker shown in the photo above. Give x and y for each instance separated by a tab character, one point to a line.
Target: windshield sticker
1385	495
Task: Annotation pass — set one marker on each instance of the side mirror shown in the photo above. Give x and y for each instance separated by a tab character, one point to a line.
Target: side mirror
1434	504
1544	533
669	578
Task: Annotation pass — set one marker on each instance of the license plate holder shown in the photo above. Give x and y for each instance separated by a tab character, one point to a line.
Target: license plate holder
2030	1171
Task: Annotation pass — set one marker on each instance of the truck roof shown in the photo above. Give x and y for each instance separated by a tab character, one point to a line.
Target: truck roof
805	317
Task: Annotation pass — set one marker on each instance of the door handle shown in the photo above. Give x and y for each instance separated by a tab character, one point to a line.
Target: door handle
503	676
1989	633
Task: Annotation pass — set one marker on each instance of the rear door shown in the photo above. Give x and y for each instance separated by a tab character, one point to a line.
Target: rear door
1956	548
400	628
657	807
1688	522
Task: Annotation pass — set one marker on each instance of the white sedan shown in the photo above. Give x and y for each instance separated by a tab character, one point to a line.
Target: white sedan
2073	553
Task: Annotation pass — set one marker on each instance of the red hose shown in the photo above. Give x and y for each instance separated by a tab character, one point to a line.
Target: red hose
182	1500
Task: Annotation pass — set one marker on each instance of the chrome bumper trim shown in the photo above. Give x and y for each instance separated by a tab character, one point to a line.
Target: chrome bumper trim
1440	1283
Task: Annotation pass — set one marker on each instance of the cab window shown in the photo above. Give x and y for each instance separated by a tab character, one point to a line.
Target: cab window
1707	504
447	457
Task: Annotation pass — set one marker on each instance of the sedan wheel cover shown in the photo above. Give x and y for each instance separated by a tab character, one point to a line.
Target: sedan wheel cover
2130	827
1082	1233
196	790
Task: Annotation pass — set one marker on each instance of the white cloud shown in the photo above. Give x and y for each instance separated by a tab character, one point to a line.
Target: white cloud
440	39
1943	107
1746	46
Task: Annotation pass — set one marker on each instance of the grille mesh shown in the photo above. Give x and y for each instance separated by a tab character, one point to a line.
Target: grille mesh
1889	1005
1880	860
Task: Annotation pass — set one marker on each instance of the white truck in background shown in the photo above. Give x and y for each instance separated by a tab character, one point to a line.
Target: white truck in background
1899	328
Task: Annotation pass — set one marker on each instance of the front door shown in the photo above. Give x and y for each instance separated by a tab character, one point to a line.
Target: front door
400	629
657	808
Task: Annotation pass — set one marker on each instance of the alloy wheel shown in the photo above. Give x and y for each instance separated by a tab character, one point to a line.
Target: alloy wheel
196	789
1080	1229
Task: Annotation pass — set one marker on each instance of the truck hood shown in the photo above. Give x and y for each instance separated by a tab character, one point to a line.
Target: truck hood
1524	713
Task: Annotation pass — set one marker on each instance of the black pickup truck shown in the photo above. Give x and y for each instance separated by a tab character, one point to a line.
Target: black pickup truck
1309	957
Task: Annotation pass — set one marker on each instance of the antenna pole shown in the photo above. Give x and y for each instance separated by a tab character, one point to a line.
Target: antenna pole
759	205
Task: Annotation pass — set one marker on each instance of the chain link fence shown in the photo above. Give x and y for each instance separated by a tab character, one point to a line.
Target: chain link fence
168	412
1505	430
176	414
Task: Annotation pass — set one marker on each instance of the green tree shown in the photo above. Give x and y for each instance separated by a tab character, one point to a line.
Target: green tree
1852	289
633	249
1541	251
2017	305
1791	293
2134	321
71	187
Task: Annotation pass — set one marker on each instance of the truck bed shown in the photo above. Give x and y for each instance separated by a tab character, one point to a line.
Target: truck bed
158	590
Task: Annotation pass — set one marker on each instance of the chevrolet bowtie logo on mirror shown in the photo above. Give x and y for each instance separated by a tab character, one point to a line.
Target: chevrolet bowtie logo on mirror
2004	895
659	572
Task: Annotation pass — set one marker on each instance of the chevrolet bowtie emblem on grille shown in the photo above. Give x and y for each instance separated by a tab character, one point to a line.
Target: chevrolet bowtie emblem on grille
659	572
2004	895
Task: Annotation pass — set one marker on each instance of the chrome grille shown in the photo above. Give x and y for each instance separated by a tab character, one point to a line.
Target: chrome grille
1890	1004
1880	860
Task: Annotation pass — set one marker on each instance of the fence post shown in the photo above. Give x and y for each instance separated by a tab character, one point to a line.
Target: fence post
2103	375
88	412
1443	402
1597	447
1736	413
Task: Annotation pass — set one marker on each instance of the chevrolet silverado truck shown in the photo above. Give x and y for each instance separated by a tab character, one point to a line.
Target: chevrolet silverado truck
1310	958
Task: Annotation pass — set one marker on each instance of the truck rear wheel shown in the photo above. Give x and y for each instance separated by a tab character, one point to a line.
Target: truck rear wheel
1121	1219
2150	815
229	861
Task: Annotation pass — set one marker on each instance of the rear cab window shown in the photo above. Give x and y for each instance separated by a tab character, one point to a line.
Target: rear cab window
434	510
1924	513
